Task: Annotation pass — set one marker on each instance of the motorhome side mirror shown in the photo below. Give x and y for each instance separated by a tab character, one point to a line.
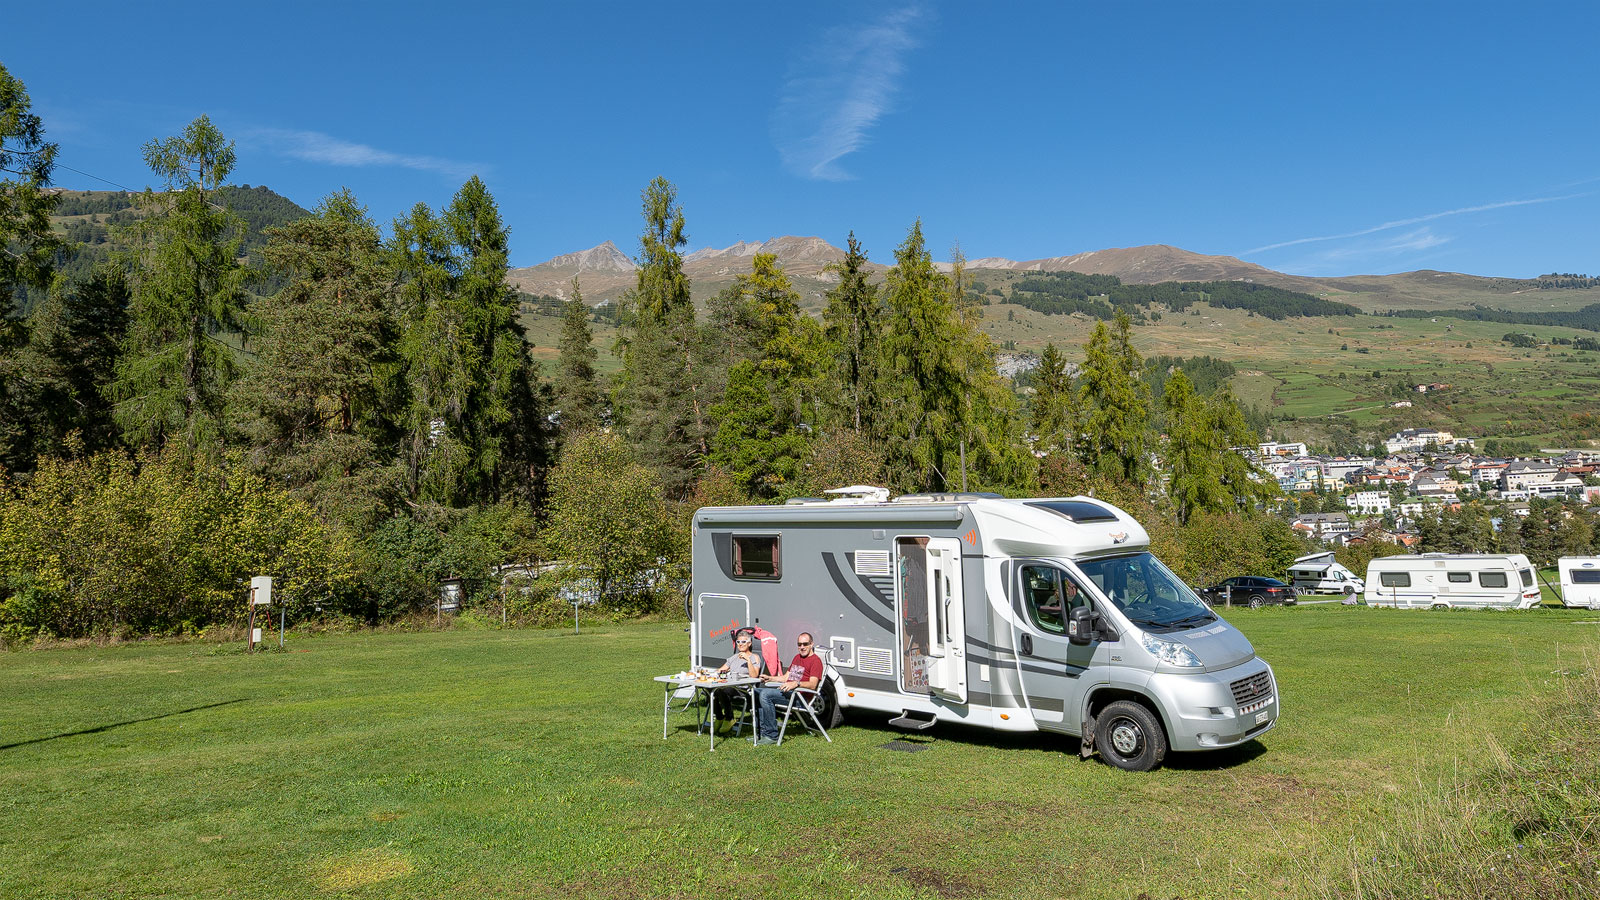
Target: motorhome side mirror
1080	625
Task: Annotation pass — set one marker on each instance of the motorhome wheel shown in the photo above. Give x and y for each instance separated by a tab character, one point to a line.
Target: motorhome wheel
829	711
1130	737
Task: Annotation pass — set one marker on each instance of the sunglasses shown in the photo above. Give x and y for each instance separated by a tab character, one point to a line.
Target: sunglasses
804	643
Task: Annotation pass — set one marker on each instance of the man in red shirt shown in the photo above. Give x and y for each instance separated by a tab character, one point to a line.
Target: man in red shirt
805	671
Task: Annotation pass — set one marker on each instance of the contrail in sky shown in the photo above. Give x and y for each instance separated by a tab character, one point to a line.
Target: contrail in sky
1398	223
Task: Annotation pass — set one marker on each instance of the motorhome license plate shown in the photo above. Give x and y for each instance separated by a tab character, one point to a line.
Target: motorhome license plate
1261	717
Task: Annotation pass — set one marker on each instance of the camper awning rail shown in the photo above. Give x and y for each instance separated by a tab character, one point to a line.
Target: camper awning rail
819	515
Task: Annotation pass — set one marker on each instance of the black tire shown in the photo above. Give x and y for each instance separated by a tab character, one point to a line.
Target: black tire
1256	601
829	712
1130	736
1349	591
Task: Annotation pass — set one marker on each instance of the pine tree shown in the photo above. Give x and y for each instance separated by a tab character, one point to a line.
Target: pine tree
1054	416
476	432
1115	402
853	321
771	396
663	395
315	397
188	297
577	392
27	243
943	391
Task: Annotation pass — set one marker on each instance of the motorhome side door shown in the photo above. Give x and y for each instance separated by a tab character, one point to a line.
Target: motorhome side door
716	618
932	617
1049	664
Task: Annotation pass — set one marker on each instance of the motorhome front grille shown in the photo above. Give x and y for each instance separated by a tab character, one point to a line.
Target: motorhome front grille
1246	690
874	661
873	562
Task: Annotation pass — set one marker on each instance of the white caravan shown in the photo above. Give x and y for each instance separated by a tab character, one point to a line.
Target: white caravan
1320	573
1468	580
1016	615
1580	581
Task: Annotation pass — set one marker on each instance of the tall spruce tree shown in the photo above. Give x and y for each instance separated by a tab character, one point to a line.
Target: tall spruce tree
577	391
1053	418
663	394
475	430
315	394
189	297
760	439
1115	403
27	242
944	392
853	320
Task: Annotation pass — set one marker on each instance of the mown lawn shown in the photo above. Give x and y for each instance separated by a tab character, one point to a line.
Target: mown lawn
531	764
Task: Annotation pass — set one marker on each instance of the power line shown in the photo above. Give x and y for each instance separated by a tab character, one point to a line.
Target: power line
96	177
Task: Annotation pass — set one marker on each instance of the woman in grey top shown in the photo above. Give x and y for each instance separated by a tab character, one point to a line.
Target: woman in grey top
743	663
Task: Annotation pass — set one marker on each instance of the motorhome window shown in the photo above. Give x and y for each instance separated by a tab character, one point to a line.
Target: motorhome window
1394	579
1492	579
1459	577
1527	577
1077	510
756	556
1050	597
1146	591
1584	576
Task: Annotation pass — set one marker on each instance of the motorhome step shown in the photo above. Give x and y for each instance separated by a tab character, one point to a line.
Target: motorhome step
914	721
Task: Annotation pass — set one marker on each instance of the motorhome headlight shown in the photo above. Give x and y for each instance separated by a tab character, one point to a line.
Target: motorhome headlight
1173	653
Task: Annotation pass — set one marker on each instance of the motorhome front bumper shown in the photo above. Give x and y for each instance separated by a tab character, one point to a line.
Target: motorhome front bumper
1218	709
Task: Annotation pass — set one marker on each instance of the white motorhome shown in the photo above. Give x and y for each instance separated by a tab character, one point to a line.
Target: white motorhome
1045	614
1468	580
1320	573
1580	581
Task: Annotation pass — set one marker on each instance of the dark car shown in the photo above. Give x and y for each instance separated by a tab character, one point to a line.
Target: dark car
1249	590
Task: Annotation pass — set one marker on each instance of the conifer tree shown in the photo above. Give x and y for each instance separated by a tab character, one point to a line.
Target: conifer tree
770	396
576	389
944	392
188	297
853	319
27	242
1054	416
476	433
314	398
663	391
1115	403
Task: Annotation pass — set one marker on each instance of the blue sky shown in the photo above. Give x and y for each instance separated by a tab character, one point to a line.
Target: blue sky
1316	138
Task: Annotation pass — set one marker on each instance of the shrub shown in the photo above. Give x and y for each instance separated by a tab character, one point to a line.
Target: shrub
114	545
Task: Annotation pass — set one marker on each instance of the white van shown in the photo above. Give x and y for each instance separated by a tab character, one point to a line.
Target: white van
1042	614
1320	573
1467	580
1580	581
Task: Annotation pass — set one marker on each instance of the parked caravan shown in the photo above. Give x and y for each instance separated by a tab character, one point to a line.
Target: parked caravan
1580	581
1472	581
1320	573
1043	614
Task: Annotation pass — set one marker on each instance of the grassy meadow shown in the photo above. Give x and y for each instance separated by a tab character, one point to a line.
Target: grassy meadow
488	763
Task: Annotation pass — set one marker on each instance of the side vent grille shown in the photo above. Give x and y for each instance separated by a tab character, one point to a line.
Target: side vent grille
875	661
873	562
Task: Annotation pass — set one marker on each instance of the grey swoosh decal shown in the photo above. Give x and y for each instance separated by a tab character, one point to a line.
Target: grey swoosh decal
861	606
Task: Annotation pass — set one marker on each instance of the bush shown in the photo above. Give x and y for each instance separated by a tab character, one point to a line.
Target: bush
120	546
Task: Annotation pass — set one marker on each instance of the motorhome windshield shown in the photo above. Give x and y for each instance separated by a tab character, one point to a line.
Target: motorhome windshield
1147	592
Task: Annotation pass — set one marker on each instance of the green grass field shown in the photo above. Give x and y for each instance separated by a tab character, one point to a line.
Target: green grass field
479	763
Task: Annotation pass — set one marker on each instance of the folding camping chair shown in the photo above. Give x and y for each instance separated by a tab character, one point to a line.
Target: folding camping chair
802	704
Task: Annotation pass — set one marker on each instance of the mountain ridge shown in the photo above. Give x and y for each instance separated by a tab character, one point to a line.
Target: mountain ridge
808	261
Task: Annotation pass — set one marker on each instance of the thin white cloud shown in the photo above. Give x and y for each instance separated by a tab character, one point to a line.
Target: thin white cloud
314	146
1401	223
838	89
1415	241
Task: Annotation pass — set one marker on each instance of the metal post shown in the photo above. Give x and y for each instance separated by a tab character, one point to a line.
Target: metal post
283	615
575	618
250	629
963	465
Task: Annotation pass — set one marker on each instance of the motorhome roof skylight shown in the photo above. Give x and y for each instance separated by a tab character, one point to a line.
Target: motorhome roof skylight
1077	511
